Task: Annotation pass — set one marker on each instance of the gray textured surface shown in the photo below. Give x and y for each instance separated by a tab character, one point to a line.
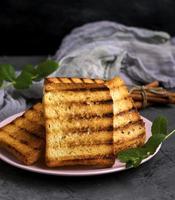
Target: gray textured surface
151	181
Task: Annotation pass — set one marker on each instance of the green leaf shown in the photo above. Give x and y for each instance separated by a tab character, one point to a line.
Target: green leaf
159	126
1	81
7	72
30	69
133	157
29	73
45	68
153	143
23	81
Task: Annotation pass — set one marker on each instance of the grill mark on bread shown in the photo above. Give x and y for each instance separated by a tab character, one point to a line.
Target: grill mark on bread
71	80
77	87
137	142
89	95
76	80
59	79
82	80
79	96
105	115
74	87
130	144
66	80
83	89
84	137
93	102
96	102
22	141
134	138
97	119
125	111
89	130
16	152
74	144
74	110
109	128
32	132
139	122
85	116
84	102
94	80
52	80
89	89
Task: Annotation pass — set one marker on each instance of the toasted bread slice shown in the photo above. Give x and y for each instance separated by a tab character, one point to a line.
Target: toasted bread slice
78	119
24	137
88	121
129	129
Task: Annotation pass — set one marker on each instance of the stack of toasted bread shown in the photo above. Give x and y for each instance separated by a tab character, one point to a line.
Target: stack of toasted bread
85	122
25	136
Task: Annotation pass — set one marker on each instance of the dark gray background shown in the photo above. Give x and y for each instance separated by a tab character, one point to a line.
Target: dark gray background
154	180
37	27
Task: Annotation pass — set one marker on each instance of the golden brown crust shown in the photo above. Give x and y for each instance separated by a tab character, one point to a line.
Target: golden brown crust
23	136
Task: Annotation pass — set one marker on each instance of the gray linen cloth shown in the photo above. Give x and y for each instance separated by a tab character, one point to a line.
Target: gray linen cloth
103	50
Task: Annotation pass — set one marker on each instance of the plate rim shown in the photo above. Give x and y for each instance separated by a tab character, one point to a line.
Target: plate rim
63	172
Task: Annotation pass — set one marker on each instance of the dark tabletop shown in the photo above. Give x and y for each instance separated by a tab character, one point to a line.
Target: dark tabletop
151	181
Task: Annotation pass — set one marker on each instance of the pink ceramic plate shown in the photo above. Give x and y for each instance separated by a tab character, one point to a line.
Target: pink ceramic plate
41	168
